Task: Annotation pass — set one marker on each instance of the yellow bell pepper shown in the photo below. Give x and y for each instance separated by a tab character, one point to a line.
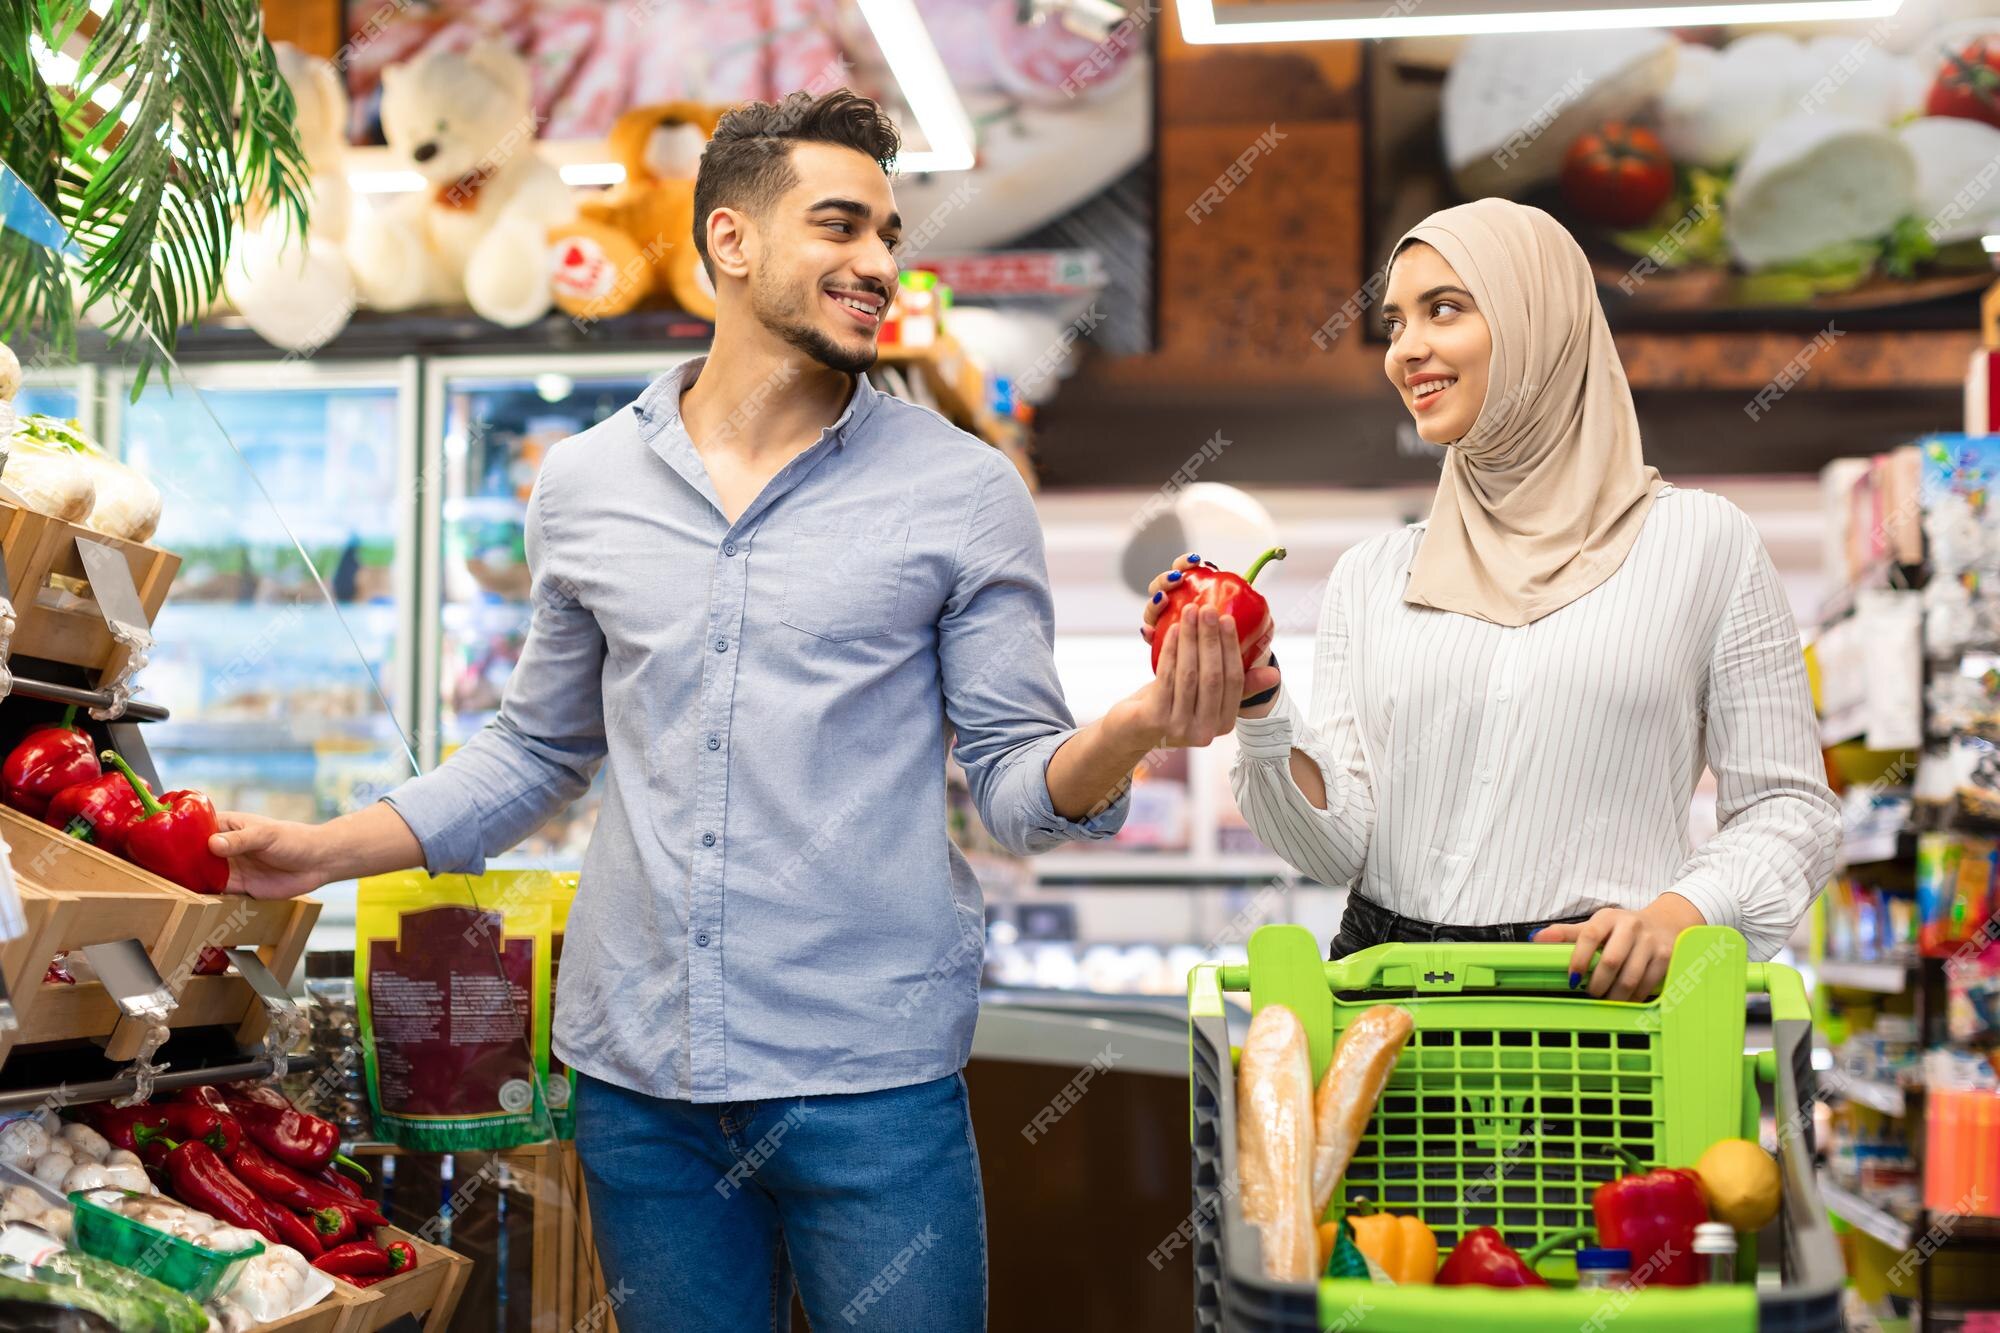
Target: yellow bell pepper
1402	1247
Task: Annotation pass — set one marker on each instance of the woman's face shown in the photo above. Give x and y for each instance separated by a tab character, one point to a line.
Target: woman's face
1439	345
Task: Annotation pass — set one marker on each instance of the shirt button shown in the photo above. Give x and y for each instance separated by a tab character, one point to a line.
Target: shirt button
702	939
1486	775
729	548
708	840
1500	696
722	645
714	741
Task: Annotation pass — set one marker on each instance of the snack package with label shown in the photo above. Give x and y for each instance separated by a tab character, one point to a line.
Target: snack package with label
452	981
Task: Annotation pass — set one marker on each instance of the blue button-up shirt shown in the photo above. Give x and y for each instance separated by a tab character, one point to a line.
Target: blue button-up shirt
769	906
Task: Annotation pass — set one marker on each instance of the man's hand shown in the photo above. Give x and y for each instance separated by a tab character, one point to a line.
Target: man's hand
272	858
1200	685
1636	946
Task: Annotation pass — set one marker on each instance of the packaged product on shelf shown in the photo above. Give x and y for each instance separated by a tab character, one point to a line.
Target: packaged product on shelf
452	980
59	471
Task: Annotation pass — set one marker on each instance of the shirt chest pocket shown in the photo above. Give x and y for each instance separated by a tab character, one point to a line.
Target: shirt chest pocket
843	585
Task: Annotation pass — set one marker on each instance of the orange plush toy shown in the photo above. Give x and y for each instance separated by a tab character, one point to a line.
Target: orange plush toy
635	242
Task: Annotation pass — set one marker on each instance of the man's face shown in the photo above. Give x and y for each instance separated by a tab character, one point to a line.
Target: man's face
823	267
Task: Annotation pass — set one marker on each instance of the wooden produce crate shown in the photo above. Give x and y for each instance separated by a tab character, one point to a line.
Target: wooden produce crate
340	1312
430	1290
56	619
85	895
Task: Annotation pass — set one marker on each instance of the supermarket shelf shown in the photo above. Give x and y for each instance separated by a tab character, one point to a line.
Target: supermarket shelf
1867	1217
69	1093
1159	867
259	734
1882	978
1888	1098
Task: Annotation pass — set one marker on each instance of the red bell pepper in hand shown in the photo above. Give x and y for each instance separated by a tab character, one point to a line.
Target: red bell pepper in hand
47	760
1653	1214
1206	586
294	1189
171	837
1481	1258
201	1180
101	811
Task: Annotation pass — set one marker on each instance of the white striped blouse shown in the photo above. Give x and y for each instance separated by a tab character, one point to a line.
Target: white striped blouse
1478	774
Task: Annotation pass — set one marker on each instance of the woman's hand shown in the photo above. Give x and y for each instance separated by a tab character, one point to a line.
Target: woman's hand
1636	946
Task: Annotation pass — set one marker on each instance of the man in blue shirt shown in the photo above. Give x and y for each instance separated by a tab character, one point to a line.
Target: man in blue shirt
761	592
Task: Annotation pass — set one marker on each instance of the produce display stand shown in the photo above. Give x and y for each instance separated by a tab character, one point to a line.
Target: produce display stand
1502	1111
430	1290
63	608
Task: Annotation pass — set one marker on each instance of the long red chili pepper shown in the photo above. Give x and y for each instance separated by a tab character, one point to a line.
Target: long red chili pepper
331	1175
402	1256
282	1184
361	1258
201	1179
288	1134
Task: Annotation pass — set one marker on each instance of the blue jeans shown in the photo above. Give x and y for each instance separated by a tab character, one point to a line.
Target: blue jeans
706	1214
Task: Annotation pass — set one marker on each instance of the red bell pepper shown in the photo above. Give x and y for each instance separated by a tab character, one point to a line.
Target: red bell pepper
101	811
201	1180
47	760
171	837
296	1190
1481	1258
1653	1214
361	1258
1206	586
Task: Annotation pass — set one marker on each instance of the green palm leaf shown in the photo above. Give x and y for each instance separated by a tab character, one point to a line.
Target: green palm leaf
175	121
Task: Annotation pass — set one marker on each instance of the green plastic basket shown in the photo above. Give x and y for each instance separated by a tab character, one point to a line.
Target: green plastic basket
1504	1110
200	1272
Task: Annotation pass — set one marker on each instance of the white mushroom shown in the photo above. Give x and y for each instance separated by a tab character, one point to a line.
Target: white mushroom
53	1167
89	1176
122	1157
22	1142
86	1142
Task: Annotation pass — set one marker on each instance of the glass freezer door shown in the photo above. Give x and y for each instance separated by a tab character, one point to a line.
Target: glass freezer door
273	709
493	420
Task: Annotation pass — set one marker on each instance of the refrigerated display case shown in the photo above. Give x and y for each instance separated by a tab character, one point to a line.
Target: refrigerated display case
283	702
489	421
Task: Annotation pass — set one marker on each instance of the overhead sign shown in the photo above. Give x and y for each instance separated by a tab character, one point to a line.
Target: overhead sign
1220	21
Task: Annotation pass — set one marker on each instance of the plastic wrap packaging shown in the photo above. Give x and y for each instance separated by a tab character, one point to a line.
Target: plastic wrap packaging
1274	1142
51	478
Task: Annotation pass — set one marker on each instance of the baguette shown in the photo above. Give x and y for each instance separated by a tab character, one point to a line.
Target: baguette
1347	1095
1274	1138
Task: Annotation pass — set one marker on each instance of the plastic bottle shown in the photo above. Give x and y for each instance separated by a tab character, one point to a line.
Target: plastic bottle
1717	1241
1603	1270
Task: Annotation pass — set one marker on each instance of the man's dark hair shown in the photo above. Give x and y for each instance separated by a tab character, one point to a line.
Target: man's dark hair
748	161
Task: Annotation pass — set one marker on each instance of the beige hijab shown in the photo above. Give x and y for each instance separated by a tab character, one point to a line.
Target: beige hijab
1543	498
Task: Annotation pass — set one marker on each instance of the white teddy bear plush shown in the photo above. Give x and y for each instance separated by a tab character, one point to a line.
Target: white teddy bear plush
478	232
297	293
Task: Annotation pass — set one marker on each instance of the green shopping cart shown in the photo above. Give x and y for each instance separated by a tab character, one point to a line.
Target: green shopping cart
1505	1110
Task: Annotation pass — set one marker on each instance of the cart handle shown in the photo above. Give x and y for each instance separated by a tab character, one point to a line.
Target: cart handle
1446	968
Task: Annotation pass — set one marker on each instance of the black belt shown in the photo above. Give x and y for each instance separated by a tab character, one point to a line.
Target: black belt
1366	923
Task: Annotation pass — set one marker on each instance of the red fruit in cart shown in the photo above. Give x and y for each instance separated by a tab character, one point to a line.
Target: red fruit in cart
1231	595
99	811
170	838
47	760
1482	1259
1653	1214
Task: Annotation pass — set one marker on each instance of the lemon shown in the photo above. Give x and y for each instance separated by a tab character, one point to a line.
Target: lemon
1741	1181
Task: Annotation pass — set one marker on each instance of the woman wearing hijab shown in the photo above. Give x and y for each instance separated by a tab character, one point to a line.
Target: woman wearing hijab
1513	701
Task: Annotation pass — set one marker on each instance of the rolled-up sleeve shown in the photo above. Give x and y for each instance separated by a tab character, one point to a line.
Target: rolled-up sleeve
1331	845
540	751
996	649
1779	823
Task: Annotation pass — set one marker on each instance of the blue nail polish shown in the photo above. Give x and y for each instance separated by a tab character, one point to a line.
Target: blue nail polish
1575	980
1174	577
1157	596
1194	559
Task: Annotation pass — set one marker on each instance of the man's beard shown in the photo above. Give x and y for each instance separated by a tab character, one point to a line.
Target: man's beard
783	318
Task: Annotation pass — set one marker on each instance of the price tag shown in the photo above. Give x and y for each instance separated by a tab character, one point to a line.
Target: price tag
111	584
130	978
260	978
